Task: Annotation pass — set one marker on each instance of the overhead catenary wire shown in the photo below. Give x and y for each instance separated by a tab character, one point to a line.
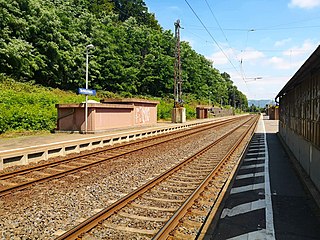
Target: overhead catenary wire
218	45
217	21
225	36
255	29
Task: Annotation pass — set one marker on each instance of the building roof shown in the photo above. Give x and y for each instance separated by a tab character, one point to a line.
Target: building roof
128	101
310	65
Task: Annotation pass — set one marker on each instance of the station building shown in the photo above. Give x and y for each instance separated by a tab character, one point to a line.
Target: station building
299	123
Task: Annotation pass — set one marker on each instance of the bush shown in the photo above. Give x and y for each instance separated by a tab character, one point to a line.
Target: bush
164	109
25	106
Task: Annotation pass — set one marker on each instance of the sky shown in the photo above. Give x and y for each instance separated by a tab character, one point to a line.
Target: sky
260	43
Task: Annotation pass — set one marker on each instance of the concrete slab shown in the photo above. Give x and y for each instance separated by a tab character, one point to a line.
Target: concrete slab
274	204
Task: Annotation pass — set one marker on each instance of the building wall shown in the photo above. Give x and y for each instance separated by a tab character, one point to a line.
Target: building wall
145	113
222	112
106	118
306	153
273	113
300	122
103	116
71	119
300	110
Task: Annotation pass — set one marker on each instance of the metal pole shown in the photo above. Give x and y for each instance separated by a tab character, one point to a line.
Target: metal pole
234	99
177	68
87	76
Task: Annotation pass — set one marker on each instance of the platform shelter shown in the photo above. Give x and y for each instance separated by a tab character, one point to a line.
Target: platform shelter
108	114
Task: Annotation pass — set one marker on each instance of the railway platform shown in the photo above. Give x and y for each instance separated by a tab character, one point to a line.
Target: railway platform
268	198
29	149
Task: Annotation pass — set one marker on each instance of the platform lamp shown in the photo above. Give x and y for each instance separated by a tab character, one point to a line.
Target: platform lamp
87	77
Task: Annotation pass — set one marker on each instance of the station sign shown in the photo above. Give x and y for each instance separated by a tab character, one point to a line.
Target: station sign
87	91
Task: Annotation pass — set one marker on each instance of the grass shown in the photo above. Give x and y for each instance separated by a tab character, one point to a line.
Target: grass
29	109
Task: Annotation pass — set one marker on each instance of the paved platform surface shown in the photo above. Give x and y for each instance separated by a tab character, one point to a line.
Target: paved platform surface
267	199
28	141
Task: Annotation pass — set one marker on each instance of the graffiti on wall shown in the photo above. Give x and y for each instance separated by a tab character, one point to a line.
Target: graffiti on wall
142	115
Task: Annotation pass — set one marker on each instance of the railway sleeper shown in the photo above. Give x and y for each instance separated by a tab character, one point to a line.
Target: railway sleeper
193	176
182	182
41	173
77	164
191	224
5	183
178	191
195	179
181	188
67	166
204	202
193	169
129	229
23	178
199	169
210	194
55	169
174	193
153	208
178	235
163	199
143	218
196	211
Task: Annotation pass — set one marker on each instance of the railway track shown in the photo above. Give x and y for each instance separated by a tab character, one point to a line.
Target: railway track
168	205
20	179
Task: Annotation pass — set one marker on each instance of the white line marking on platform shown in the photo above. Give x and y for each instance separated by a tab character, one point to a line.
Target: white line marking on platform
252	166
249	154
250	175
255	149
243	208
247	188
269	212
254	159
251	236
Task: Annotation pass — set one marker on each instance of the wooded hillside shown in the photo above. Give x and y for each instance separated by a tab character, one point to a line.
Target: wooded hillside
43	41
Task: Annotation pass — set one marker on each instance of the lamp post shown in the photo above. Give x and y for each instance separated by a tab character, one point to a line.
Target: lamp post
87	77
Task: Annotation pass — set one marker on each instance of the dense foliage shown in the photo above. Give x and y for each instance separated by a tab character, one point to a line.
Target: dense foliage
44	42
25	106
30	107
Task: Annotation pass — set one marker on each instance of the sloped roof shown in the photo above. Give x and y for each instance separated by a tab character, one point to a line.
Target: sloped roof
310	65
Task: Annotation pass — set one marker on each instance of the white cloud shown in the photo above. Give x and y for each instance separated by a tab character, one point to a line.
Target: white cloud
251	54
174	8
275	67
219	58
280	63
282	42
308	4
307	46
294	57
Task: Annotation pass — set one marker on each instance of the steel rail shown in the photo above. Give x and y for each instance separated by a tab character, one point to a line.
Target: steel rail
214	209
88	165
94	220
22	171
173	222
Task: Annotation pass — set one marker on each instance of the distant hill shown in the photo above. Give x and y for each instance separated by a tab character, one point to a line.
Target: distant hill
260	103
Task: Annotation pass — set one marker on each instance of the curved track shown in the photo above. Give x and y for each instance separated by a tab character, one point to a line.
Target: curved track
23	178
158	208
